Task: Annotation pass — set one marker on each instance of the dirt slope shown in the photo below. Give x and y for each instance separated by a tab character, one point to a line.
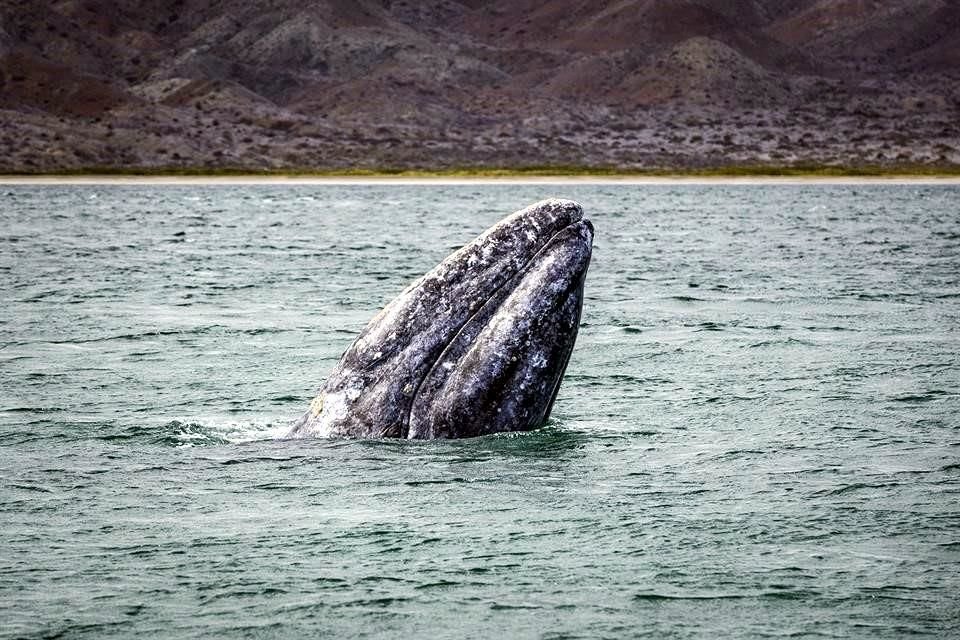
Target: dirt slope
336	83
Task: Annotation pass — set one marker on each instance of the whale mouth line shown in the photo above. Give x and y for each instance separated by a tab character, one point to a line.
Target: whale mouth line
508	286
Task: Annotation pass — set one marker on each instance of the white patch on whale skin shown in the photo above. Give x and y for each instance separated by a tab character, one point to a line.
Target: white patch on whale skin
354	388
330	409
538	360
333	408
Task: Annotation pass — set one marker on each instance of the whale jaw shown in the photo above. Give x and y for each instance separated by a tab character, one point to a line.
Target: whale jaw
502	371
477	345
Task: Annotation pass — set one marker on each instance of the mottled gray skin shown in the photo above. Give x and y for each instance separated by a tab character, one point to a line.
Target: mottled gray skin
477	345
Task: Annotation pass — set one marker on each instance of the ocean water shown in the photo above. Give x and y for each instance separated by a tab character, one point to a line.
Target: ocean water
758	434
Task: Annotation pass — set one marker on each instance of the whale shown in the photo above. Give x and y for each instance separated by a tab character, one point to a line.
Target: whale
477	345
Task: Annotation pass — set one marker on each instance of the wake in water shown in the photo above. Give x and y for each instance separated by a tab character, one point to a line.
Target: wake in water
204	432
187	434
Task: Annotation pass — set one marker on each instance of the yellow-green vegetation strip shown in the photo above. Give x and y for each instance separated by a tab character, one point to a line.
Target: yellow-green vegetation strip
729	171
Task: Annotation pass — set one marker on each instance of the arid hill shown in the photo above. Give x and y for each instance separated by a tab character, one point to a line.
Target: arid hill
435	84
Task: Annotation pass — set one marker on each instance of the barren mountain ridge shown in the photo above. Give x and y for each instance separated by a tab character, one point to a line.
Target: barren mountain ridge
327	84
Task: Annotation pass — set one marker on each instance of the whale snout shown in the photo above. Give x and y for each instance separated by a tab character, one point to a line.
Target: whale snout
477	345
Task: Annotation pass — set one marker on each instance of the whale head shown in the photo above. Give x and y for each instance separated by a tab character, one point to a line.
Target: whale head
477	345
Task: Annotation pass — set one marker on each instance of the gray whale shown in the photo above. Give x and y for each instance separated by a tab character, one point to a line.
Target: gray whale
477	345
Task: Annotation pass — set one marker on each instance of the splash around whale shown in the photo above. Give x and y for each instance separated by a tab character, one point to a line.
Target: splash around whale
477	345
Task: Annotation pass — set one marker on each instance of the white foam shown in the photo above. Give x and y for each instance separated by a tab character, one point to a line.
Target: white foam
193	432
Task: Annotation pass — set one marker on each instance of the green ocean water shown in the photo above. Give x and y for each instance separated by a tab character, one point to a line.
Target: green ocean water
758	434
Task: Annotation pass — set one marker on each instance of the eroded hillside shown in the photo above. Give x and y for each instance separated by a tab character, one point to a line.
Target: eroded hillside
328	84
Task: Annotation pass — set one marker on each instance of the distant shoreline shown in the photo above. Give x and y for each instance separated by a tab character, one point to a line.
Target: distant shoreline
106	180
948	174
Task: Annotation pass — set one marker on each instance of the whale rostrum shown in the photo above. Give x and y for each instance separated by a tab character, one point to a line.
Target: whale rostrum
477	345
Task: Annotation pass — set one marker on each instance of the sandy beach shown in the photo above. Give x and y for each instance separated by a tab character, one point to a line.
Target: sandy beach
440	180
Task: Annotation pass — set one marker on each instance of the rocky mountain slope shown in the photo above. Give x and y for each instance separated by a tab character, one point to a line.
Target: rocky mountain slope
441	83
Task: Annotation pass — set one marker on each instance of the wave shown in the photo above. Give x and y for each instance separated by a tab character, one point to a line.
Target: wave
778	594
928	396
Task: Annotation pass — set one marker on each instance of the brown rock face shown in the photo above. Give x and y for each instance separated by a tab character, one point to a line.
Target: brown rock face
359	83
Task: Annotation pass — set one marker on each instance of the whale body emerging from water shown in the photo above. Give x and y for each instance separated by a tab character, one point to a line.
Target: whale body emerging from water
477	345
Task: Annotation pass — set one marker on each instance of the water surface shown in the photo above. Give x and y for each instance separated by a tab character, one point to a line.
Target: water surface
758	434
